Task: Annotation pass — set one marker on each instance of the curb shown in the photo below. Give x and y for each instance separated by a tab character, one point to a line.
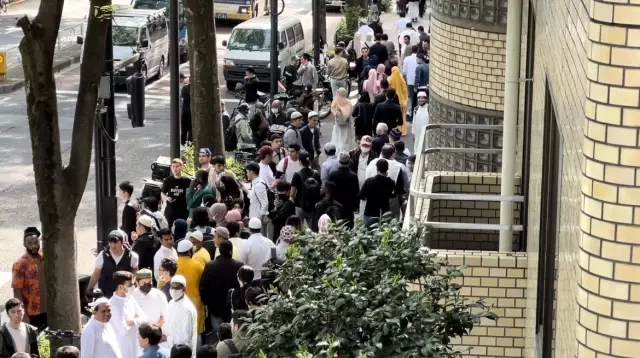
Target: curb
8	88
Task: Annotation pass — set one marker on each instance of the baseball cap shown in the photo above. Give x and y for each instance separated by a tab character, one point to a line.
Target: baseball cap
117	234
265	150
146	221
312	114
205	151
366	140
222	232
296	115
255	224
184	245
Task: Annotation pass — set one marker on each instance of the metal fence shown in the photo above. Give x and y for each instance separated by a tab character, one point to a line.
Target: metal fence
66	37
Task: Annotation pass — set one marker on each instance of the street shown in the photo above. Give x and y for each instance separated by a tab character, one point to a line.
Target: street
136	149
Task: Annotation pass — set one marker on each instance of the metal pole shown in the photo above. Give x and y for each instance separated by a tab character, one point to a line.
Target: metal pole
509	128
273	10
174	68
106	202
316	31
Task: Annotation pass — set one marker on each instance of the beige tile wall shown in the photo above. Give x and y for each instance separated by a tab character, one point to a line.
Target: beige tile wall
467	66
561	46
501	280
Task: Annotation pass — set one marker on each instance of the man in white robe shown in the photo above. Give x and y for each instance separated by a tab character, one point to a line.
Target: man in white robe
420	119
126	315
151	300
98	337
181	324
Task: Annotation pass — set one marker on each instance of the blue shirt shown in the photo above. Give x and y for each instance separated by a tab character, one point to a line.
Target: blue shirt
155	352
328	166
422	75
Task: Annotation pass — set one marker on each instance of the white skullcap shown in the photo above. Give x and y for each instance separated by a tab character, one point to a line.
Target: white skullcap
422	94
184	245
255	224
179	279
98	302
195	235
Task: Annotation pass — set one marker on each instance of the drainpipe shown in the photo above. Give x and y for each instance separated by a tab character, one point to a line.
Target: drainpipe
510	132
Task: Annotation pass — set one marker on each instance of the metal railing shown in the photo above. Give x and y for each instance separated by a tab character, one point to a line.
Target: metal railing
66	37
419	169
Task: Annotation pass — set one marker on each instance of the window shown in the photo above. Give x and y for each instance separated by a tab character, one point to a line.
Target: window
249	39
124	36
144	36
297	30
528	103
291	37
283	37
549	219
158	29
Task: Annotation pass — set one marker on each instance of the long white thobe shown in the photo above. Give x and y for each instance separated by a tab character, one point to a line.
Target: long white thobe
99	340
154	304
161	254
420	120
122	310
181	323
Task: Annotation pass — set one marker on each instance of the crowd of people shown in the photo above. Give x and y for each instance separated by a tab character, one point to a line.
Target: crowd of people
178	277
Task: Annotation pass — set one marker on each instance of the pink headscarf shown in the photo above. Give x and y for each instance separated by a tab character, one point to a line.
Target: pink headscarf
381	72
372	85
234	216
218	212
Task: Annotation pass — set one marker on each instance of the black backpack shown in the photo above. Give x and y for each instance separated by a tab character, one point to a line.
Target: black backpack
334	211
230	137
271	198
207	241
233	350
310	193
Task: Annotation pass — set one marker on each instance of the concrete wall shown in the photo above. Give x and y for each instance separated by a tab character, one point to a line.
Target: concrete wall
501	280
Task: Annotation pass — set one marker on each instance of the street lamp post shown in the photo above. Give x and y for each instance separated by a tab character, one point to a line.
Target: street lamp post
174	68
273	11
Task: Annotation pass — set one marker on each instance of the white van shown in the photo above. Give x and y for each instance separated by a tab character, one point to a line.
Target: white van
250	45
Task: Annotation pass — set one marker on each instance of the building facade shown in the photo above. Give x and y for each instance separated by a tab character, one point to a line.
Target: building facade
578	158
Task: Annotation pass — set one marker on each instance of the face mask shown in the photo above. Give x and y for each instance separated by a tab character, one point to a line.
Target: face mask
283	196
146	288
176	294
275	110
365	149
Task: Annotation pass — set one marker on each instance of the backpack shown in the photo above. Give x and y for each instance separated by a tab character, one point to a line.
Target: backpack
334	211
230	137
233	350
271	197
310	193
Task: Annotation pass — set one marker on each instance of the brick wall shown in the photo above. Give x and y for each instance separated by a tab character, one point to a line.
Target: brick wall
467	66
501	280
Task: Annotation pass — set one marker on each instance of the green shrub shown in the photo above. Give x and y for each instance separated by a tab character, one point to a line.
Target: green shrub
189	159
236	168
359	293
44	346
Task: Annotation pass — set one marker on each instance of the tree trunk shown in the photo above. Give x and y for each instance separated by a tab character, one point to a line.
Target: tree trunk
205	88
59	189
323	21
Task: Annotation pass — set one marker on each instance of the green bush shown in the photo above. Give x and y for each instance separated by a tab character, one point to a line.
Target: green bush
44	346
359	293
236	168
189	160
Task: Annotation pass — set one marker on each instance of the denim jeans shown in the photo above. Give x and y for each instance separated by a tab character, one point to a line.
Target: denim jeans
336	84
215	323
307	216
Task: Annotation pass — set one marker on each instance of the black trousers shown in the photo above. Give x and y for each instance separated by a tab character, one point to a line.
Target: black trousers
186	133
421	7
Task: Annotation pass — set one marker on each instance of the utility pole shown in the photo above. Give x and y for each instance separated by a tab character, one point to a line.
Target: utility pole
174	63
105	153
273	11
316	31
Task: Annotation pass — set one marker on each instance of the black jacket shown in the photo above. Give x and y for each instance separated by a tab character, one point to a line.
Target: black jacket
129	217
354	154
7	346
146	247
363	114
382	97
379	50
379	142
280	118
347	188
389	113
219	276
251	90
279	216
322	207
310	142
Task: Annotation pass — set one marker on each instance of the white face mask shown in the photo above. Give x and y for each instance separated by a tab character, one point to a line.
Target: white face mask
365	149
176	294
275	110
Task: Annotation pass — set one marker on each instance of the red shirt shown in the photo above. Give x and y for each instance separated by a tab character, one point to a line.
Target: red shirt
26	276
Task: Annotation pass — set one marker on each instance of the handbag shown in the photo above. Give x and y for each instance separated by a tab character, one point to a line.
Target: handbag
341	121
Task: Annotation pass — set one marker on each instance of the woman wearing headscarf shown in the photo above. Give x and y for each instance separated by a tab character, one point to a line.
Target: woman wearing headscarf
380	72
323	224
356	44
217	213
287	234
398	83
371	84
363	115
363	76
342	136
179	229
